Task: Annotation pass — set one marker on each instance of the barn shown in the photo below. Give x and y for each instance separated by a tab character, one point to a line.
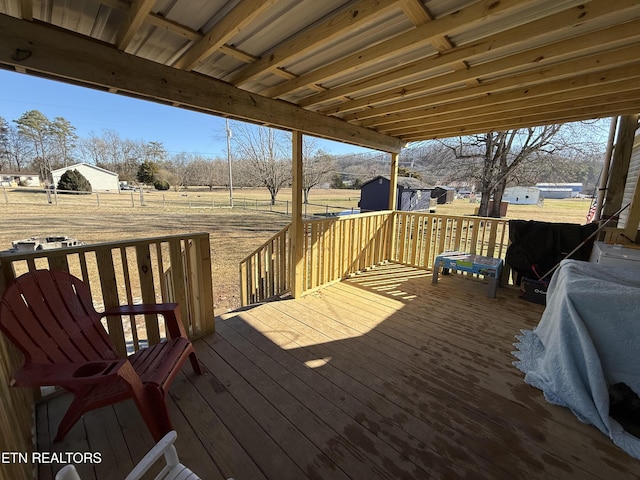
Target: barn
520	195
99	178
412	195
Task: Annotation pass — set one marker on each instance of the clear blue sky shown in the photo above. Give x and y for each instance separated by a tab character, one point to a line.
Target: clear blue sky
92	111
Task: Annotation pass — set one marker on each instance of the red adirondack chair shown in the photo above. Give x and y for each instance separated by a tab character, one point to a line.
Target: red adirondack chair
50	317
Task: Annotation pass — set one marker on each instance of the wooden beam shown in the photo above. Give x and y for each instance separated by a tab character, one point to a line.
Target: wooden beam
555	104
622	108
423	92
164	23
238	17
297	229
69	57
534	58
424	34
304	41
617	79
393	182
135	16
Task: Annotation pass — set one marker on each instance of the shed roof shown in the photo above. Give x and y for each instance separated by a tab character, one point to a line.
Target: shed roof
378	73
404	182
84	164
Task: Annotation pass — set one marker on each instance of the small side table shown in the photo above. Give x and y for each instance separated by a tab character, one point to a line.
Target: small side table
490	267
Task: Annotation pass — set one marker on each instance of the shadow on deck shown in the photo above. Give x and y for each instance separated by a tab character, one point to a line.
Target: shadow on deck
379	376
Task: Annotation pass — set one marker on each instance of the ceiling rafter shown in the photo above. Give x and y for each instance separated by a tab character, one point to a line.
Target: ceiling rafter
623	78
309	38
135	17
484	64
419	14
585	65
576	20
423	34
552	103
574	115
506	103
239	16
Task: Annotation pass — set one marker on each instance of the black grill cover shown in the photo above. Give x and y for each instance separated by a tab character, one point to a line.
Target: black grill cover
537	247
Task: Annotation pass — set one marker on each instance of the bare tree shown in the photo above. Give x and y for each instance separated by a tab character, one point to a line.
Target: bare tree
264	150
5	156
209	172
493	157
316	166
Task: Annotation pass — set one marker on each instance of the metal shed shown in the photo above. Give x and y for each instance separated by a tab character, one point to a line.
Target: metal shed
443	195
412	195
520	195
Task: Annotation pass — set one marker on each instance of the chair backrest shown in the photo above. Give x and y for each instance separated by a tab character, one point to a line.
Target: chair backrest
49	316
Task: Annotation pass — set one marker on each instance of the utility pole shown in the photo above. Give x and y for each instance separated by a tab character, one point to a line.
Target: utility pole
229	161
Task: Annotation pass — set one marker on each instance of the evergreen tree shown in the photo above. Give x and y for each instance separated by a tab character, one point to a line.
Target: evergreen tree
73	180
147	172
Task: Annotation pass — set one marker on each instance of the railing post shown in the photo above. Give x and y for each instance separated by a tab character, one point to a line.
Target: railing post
297	228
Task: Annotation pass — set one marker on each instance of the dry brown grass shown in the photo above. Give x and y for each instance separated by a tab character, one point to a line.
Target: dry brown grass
234	233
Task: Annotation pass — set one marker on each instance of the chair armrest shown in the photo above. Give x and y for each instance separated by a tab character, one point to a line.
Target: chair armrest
87	373
170	312
163	448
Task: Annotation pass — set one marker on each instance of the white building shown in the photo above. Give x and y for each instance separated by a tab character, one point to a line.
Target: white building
521	195
99	178
560	190
19	178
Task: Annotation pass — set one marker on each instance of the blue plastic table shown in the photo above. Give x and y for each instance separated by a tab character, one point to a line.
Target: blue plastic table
467	262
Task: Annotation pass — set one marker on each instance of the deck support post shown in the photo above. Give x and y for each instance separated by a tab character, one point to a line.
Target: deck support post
393	202
393	178
297	228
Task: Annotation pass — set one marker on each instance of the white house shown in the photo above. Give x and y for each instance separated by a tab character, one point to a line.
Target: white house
19	178
99	178
521	195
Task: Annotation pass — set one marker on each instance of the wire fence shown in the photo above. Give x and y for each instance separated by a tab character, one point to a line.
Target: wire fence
141	198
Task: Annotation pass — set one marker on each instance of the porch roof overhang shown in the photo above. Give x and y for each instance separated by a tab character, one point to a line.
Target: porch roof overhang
376	73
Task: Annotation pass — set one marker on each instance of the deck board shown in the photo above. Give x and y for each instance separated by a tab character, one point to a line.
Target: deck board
380	376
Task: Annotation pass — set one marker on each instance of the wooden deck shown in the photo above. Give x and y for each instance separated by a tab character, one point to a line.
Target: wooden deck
381	376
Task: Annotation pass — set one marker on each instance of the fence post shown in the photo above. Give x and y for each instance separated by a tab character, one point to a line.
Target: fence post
133	204
6	198
98	198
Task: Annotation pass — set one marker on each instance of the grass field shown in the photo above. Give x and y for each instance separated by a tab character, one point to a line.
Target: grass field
234	232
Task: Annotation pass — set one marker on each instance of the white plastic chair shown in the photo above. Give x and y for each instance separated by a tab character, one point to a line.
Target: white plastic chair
174	470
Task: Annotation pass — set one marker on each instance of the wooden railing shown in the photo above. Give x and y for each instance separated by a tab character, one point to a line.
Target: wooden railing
134	271
265	272
420	237
336	247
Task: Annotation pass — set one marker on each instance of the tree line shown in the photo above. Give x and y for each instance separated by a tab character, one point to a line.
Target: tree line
261	157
